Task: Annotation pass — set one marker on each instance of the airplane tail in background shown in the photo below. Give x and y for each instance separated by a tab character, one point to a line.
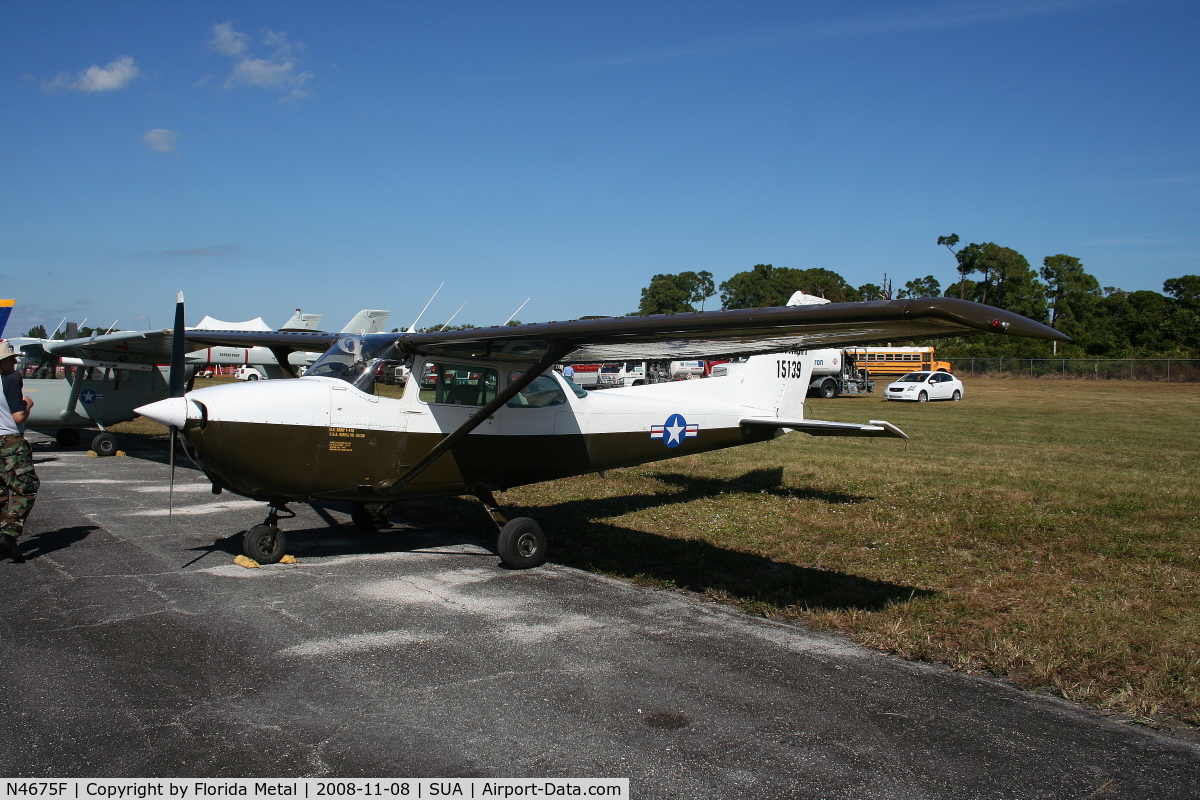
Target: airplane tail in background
367	321
6	307
303	322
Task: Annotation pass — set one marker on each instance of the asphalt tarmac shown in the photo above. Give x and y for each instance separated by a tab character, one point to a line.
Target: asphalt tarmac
132	646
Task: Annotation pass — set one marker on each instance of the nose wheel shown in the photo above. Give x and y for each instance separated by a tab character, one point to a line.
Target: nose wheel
265	543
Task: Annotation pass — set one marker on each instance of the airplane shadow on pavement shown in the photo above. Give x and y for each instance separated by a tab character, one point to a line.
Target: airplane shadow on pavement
337	538
581	536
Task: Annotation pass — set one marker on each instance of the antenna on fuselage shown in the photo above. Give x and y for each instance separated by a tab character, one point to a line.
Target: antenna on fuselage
56	327
518	311
452	316
413	328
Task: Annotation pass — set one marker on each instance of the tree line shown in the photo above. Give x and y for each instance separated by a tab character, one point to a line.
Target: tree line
1104	322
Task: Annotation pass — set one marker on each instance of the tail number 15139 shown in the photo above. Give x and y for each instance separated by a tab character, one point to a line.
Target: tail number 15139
788	369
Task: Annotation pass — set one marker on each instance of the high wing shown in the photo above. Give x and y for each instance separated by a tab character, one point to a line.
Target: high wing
665	336
154	347
732	333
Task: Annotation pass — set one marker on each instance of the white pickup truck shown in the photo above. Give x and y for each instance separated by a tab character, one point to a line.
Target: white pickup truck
248	372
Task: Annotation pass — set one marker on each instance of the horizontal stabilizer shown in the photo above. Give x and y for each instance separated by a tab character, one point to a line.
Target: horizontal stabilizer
820	427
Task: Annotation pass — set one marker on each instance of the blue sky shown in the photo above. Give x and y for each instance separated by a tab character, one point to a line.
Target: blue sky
335	156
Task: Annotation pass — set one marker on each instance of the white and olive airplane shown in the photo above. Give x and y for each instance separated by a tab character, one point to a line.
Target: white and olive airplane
113	374
483	410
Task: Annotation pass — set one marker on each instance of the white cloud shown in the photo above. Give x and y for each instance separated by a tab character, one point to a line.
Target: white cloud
228	41
276	72
115	75
160	140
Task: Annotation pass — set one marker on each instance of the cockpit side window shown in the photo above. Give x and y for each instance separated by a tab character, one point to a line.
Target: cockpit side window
457	384
542	393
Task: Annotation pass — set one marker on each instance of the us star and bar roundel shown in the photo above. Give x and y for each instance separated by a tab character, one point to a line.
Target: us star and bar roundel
674	430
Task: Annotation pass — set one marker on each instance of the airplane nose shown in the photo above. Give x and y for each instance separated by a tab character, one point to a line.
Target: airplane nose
172	411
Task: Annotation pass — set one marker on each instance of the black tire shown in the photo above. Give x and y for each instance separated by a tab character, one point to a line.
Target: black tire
252	376
922	397
67	437
522	544
104	444
264	543
371	516
829	390
956	396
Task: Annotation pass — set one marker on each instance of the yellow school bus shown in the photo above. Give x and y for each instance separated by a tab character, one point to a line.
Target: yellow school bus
896	361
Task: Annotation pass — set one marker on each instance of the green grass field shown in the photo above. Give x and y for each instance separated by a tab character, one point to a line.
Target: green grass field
1046	531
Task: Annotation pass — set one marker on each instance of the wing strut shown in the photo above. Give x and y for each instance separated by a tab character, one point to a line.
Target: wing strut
555	353
281	355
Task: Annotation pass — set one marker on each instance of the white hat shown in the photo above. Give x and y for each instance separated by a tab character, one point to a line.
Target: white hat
6	350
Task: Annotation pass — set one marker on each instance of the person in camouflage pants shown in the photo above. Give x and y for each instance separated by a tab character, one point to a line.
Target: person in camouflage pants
18	481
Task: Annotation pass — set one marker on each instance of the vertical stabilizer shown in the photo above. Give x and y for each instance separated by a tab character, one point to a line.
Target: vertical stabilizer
367	321
775	384
303	322
6	307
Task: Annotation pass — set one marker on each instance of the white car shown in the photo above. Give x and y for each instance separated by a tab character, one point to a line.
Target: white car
248	373
922	386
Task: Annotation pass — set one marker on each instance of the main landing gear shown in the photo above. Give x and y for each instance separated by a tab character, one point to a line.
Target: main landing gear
371	517
521	543
265	543
103	443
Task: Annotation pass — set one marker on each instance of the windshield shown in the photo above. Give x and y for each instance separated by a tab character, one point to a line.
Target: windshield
914	377
354	359
574	387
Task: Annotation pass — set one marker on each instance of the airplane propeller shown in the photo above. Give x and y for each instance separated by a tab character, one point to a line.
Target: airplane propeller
178	351
175	388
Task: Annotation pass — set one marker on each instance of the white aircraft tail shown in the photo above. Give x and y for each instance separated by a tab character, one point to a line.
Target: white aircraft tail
767	386
774	385
303	322
367	321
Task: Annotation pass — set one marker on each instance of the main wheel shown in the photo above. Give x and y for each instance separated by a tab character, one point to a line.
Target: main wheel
522	544
105	444
67	437
922	397
829	390
371	516
264	543
957	395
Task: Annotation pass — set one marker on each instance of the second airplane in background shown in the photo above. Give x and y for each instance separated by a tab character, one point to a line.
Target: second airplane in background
100	381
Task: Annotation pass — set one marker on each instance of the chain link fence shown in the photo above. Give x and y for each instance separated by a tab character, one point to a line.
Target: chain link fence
1175	370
